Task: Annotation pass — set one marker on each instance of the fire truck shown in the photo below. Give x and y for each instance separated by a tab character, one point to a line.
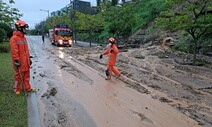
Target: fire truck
61	35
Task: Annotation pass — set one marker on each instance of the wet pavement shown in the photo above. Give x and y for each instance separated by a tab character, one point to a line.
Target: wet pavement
71	93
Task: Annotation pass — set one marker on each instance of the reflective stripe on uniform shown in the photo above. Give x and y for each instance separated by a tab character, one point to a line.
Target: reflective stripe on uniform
15	86
21	42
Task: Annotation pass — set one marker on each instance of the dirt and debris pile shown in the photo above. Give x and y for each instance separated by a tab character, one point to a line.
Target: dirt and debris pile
158	68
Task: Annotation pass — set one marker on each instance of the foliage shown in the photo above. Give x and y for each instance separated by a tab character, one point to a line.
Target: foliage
114	2
98	2
182	46
191	17
2	35
121	22
6	28
4	47
194	17
8	14
89	24
146	11
11	1
128	18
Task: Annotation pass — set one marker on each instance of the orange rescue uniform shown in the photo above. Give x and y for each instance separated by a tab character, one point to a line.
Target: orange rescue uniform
20	52
112	59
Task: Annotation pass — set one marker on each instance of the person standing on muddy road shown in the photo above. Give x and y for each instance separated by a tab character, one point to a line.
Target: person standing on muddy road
112	51
43	38
20	58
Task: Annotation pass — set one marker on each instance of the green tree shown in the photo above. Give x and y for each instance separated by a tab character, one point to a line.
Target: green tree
98	2
89	23
11	1
8	14
6	28
121	20
2	35
192	16
123	1
114	2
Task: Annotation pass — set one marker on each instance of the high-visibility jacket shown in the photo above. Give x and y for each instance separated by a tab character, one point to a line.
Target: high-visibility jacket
20	51
112	55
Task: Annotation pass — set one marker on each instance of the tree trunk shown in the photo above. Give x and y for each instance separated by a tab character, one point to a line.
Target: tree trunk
90	37
195	51
75	37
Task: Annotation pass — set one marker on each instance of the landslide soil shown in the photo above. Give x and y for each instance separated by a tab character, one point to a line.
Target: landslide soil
163	74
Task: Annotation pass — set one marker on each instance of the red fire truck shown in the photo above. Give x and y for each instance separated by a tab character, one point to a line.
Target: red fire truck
61	35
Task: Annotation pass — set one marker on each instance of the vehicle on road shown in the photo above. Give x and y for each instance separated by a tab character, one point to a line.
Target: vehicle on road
61	35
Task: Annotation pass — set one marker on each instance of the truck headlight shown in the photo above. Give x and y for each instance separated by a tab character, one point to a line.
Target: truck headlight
70	42
60	41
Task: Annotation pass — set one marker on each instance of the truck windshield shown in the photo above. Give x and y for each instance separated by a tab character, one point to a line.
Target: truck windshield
64	33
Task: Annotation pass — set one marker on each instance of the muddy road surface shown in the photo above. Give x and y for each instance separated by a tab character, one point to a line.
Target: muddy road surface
152	92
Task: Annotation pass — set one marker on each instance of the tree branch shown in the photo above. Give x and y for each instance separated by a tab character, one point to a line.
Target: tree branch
191	32
201	11
203	32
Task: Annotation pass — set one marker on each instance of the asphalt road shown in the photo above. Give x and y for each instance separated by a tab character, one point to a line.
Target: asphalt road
72	94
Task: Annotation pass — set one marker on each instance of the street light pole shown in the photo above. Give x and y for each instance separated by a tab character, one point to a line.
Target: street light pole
47	17
45	11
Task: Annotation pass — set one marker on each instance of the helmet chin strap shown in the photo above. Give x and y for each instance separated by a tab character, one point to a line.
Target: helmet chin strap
21	30
111	43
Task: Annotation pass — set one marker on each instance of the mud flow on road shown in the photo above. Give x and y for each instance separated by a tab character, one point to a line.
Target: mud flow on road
153	91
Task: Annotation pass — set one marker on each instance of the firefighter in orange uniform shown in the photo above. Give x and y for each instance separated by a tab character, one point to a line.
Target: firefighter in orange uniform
20	57
112	50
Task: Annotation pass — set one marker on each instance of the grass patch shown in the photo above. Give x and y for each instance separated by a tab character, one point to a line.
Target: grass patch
4	47
13	108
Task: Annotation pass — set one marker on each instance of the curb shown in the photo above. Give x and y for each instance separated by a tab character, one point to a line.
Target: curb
32	108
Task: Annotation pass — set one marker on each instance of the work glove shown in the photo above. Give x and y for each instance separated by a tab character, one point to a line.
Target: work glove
17	63
101	56
30	62
111	50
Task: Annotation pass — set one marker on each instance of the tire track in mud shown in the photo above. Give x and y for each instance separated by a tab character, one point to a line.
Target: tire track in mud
69	67
73	70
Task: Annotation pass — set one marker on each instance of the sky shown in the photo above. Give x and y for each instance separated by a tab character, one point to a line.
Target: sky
31	9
